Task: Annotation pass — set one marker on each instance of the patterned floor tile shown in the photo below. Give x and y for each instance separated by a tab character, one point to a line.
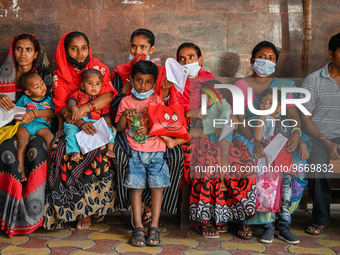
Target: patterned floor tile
186	242
52	233
37	242
104	246
66	243
197	252
14	240
24	250
243	246
329	243
63	250
129	248
101	236
301	250
277	248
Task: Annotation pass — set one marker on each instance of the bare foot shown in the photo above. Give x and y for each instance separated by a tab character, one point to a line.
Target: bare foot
170	142
23	176
223	185
84	223
110	154
75	157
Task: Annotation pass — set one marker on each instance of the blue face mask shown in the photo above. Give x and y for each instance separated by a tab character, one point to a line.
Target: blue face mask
264	67
144	95
131	57
193	68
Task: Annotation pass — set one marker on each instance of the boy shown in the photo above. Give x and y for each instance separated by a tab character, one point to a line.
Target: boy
92	82
35	101
147	165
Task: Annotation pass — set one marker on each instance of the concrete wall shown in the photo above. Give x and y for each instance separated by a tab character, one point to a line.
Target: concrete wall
226	30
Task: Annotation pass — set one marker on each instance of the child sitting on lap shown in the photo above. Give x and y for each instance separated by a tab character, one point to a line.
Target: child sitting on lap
34	101
147	165
90	88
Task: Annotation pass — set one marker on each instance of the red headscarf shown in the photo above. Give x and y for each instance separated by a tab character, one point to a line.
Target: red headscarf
67	78
191	97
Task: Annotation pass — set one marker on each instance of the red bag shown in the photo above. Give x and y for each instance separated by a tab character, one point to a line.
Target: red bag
168	120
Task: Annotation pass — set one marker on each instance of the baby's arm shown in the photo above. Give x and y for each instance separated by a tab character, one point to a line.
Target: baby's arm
303	150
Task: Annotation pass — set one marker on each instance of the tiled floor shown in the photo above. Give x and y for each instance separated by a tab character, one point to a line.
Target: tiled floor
112	237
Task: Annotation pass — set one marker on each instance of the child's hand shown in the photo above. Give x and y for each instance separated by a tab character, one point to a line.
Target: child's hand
129	113
218	132
142	131
303	151
258	150
88	128
76	115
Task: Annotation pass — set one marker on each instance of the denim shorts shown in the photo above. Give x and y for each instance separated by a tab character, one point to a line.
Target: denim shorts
147	169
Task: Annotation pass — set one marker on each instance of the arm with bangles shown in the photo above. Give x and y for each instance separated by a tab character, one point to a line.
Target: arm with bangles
98	104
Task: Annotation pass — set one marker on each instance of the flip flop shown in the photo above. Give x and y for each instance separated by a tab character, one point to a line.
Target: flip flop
223	228
316	227
200	230
98	218
246	232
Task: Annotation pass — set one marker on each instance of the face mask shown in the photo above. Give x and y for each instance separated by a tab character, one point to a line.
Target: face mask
193	69
77	64
131	57
144	95
269	127
264	67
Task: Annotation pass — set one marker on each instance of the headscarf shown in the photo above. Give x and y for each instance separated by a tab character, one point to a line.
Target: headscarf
191	97
68	78
40	65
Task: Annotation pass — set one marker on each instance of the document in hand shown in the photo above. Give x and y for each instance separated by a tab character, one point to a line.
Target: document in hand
90	142
7	116
272	150
176	73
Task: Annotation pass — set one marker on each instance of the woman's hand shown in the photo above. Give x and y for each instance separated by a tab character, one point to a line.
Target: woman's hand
26	118
88	128
258	150
68	117
292	143
333	149
6	103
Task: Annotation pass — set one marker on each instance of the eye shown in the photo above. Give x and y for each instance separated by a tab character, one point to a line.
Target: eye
29	49
174	117
143	47
84	48
166	116
191	57
181	59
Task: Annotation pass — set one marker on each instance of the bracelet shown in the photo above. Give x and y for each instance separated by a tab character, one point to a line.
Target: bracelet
296	128
252	140
75	109
81	123
93	105
323	138
35	115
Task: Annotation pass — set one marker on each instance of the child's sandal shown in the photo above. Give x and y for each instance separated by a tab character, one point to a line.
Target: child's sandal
138	235
153	235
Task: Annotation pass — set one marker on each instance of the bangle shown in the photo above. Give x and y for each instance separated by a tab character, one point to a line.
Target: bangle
252	140
75	109
296	128
93	104
81	123
35	115
323	138
91	107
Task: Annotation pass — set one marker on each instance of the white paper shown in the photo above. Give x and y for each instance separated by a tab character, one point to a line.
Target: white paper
90	142
227	128
176	73
7	116
272	150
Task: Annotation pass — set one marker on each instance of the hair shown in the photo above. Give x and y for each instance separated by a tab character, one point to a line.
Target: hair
88	72
145	67
262	45
189	45
24	78
70	36
29	37
269	91
334	43
145	32
210	83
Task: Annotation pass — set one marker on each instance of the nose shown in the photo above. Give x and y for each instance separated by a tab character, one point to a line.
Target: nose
187	61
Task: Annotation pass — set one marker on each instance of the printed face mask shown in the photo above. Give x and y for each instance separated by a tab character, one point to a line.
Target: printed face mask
264	67
193	69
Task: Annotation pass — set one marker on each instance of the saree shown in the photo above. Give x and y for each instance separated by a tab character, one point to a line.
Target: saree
22	204
242	144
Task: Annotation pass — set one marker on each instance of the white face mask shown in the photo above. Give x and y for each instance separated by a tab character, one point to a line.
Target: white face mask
264	67
193	68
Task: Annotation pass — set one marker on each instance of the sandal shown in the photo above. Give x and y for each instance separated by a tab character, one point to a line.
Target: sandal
98	218
153	235
223	228
86	220
201	229
138	235
245	233
318	229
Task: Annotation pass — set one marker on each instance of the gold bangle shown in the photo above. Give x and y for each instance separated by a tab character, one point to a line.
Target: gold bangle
35	115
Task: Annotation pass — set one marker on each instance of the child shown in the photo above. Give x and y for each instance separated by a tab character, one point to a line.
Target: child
91	85
264	134
34	100
147	165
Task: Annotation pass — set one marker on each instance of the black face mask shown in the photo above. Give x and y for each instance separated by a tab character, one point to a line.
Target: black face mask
76	63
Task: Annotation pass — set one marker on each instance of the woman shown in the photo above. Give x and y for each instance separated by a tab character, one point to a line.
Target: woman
22	204
142	46
77	190
210	208
263	60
